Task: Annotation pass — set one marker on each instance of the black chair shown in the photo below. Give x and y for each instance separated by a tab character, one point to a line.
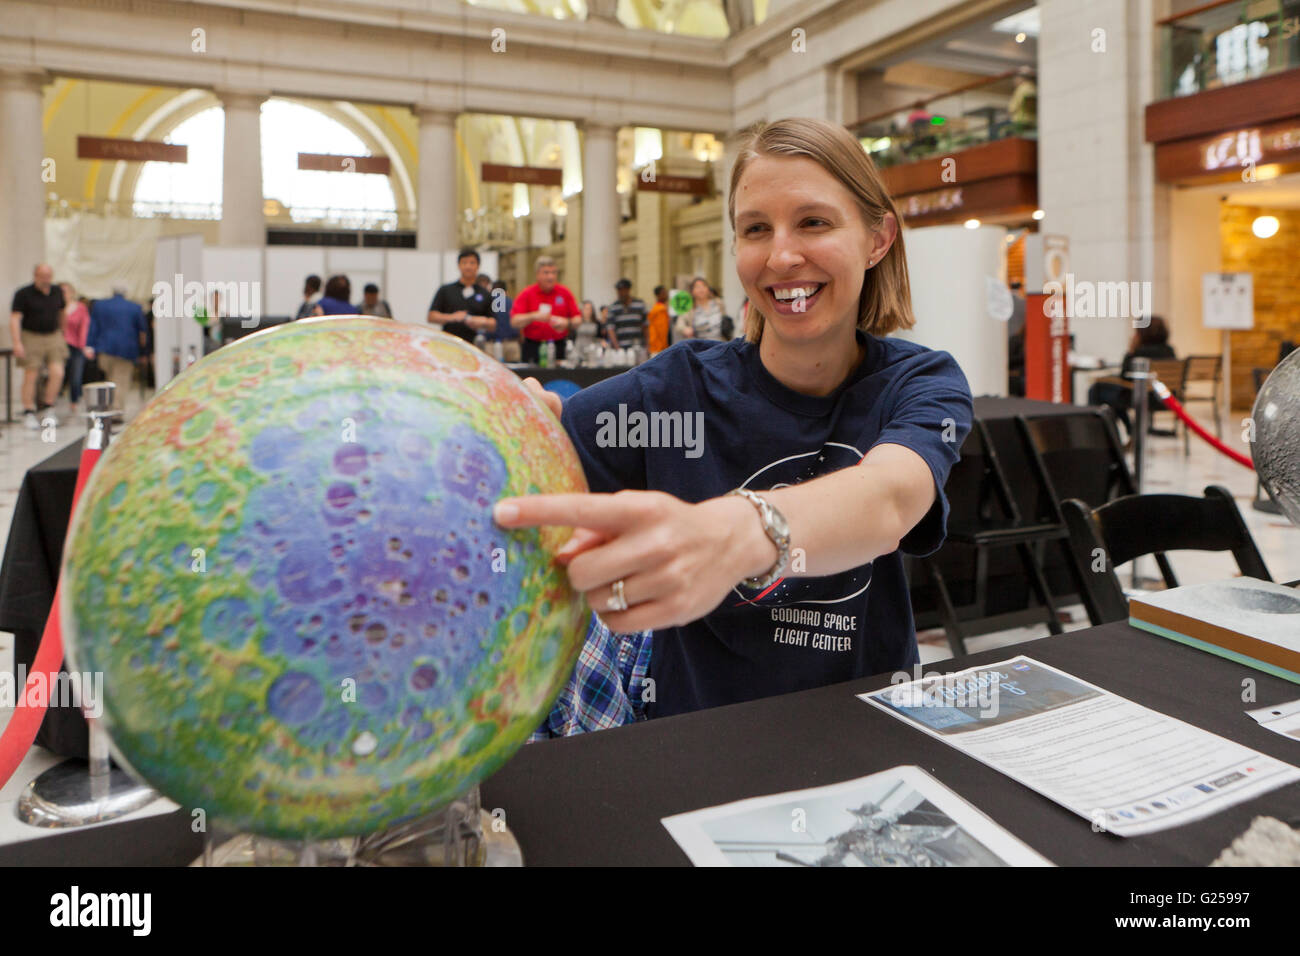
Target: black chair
1078	456
1137	525
1173	372
982	517
1207	371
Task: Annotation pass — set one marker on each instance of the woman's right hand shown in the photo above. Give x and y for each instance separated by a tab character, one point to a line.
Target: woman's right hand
551	400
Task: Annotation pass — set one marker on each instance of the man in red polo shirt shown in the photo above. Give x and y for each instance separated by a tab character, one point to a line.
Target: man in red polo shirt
545	311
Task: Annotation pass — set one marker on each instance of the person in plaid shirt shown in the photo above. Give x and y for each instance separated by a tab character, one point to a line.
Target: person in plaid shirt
752	499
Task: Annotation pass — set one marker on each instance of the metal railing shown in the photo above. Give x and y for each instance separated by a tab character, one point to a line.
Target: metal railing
1228	42
994	108
319	216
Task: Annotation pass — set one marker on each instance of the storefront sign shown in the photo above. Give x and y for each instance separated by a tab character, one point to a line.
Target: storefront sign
1240	53
1235	149
925	204
130	150
1229	155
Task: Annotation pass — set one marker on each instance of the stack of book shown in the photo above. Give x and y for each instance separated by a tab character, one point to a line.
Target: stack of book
1256	623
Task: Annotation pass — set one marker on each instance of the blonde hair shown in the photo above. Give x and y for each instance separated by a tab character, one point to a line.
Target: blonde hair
885	304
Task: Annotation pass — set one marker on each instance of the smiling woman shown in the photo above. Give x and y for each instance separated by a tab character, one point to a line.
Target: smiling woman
825	450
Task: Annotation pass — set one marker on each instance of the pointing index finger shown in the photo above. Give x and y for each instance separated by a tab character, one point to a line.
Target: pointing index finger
594	511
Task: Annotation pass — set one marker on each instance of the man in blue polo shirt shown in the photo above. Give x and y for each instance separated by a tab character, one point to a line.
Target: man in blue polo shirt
117	332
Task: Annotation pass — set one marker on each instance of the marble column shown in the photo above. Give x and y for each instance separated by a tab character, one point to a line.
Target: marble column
572	275
243	222
22	185
436	212
600	212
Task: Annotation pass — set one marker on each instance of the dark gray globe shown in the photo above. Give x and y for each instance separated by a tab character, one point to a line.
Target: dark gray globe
1277	436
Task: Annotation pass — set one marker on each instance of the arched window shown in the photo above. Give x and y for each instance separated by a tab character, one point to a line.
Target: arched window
192	190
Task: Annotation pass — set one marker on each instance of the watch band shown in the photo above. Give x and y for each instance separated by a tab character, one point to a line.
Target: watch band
778	532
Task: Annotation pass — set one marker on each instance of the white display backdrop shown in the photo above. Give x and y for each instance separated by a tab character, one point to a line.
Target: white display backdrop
174	332
269	282
236	271
411	277
287	268
360	266
949	268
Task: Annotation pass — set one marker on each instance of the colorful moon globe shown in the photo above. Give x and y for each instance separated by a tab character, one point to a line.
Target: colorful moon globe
287	571
1276	447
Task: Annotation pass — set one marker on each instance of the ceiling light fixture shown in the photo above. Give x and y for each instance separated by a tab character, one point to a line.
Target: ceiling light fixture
1265	227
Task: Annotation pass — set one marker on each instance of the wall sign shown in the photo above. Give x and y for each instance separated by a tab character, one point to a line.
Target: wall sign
1228	300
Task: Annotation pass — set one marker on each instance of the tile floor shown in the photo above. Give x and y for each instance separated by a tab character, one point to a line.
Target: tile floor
1168	471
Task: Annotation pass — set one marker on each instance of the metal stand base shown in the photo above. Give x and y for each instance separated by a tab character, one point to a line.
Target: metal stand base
68	796
496	846
1266	505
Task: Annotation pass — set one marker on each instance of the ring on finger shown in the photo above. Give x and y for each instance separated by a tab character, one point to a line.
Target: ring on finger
617	601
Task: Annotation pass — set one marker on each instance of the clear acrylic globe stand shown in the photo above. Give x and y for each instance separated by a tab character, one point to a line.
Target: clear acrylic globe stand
461	834
77	793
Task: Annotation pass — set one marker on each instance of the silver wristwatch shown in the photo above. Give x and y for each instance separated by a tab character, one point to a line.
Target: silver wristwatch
776	528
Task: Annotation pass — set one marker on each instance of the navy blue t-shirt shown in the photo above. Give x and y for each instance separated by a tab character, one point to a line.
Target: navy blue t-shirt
729	423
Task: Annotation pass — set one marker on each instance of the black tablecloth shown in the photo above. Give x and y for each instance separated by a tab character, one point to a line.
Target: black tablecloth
581	377
597	799
29	574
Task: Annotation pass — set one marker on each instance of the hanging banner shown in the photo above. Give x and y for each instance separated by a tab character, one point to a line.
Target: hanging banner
528	175
130	150
1047	350
327	163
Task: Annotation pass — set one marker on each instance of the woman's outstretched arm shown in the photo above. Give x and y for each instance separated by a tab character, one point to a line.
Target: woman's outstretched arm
680	560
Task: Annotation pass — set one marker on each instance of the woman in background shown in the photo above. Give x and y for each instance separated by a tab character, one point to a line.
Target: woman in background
705	321
337	299
1150	342
75	326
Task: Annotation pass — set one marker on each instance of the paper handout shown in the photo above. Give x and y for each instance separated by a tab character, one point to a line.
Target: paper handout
1126	768
898	817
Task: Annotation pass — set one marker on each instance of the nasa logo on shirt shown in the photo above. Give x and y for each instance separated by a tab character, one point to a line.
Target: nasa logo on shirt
793	470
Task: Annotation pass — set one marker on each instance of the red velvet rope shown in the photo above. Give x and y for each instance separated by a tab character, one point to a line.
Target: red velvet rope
1176	407
26	720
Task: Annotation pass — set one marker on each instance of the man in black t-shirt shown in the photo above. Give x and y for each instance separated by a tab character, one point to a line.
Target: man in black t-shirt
627	318
36	326
461	308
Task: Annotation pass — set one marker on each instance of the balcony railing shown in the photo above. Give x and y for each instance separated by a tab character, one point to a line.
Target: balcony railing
991	109
1228	42
290	216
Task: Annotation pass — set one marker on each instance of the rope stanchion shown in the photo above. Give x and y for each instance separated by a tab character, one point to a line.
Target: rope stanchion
1176	407
25	722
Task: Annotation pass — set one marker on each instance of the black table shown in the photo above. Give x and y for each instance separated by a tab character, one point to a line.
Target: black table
597	799
28	576
581	377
